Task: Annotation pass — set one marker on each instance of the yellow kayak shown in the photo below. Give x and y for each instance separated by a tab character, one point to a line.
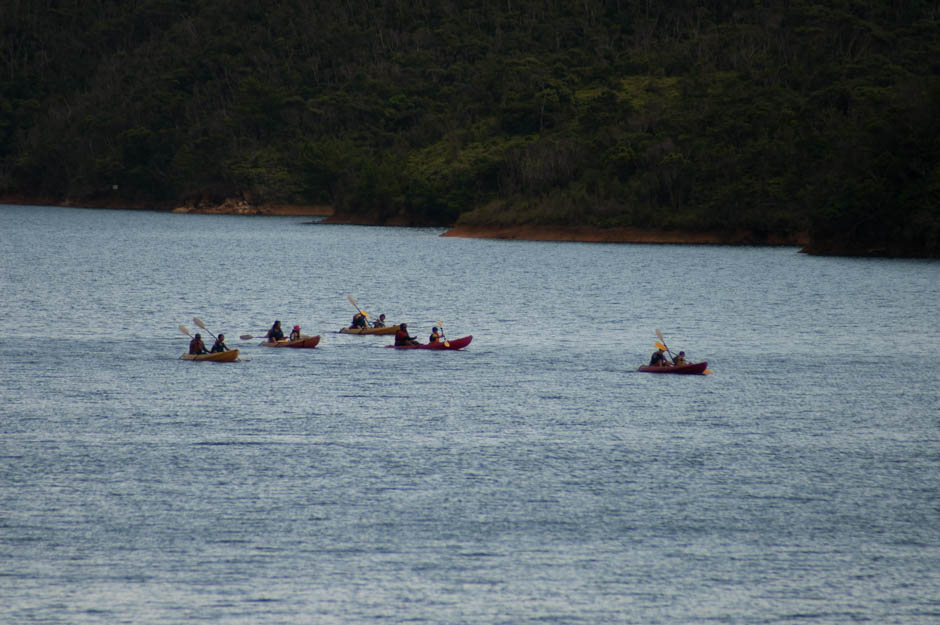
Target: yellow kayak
385	330
228	356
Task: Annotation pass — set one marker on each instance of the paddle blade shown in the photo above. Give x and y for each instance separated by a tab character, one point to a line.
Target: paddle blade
660	346
199	323
246	337
352	300
708	372
659	335
184	330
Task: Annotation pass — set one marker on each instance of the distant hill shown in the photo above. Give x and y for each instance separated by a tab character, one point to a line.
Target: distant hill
818	118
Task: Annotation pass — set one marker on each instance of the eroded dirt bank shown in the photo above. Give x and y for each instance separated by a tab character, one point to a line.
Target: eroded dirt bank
622	235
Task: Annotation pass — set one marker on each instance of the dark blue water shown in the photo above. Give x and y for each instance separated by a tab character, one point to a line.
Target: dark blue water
534	477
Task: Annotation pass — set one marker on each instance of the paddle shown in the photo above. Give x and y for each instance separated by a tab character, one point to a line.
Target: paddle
441	327
659	333
248	337
199	323
352	300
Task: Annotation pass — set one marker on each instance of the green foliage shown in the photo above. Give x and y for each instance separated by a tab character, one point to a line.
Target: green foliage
817	117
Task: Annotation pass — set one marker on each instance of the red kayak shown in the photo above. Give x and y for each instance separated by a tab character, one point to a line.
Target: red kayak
691	368
304	342
443	344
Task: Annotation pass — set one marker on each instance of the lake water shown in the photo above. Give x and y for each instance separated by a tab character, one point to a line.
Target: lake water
534	477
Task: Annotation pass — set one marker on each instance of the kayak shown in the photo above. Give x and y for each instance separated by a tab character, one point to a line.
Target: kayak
385	330
691	368
304	342
445	344
228	356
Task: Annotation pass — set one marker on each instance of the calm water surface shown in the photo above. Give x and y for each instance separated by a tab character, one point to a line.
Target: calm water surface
534	477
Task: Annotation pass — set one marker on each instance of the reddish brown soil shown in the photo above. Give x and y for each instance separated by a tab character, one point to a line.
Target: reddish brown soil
621	235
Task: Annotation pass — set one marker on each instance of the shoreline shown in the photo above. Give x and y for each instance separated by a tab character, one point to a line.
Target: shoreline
588	234
228	207
570	234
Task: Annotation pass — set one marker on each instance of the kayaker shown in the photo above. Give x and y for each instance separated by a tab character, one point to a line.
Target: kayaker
380	322
295	333
402	338
276	333
196	346
219	345
359	321
658	359
435	335
679	360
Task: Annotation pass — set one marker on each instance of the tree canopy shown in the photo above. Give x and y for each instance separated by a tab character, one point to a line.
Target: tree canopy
769	117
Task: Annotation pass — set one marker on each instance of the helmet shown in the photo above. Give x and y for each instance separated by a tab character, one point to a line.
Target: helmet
297	327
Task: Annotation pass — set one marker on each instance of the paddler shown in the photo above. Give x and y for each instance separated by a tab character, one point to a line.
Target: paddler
679	360
196	346
295	333
435	335
275	334
658	359
380	322
402	338
219	345
359	321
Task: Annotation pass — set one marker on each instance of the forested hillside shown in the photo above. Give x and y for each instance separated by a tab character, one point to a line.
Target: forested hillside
775	118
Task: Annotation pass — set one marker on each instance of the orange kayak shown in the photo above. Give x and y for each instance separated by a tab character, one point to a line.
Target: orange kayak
228	356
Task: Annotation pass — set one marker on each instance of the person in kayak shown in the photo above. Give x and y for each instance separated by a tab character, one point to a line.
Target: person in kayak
196	346
680	360
435	335
275	333
295	333
658	359
219	345
380	322
359	321
402	338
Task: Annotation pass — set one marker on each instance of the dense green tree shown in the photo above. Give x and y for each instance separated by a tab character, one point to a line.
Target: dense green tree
774	118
